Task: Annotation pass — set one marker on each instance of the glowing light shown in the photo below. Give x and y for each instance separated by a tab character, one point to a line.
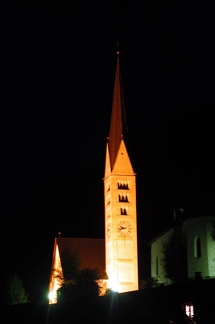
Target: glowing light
114	285
52	297
189	310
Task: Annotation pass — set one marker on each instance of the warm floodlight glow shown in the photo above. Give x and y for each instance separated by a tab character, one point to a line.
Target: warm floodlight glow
114	286
52	297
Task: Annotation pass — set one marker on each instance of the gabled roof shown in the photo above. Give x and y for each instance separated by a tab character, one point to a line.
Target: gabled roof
122	163
179	222
91	251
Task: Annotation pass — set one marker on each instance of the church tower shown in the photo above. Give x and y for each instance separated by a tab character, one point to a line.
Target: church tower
121	250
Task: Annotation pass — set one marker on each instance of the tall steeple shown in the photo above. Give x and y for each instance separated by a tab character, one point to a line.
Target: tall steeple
120	200
118	123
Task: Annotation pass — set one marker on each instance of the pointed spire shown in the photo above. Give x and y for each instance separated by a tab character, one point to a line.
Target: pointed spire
118	116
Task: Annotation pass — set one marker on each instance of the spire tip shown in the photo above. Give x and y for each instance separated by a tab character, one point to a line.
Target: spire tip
117	50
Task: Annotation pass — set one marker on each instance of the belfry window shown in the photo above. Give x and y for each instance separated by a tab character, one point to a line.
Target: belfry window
123	185
123	198
123	211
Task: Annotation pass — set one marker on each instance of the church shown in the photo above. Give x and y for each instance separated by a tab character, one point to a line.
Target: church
115	256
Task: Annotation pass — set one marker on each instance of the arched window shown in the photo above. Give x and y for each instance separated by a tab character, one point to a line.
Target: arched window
123	211
156	266
123	185
123	198
197	247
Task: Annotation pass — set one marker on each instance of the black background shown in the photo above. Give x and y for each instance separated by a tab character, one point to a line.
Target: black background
58	71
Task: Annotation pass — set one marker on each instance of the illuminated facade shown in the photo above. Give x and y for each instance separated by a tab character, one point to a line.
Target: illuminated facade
121	249
194	236
116	255
57	271
91	253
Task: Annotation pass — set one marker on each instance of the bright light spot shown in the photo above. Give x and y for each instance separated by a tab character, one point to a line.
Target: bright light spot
52	297
114	285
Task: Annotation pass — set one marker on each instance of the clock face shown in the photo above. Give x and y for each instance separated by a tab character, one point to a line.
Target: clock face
108	230
124	228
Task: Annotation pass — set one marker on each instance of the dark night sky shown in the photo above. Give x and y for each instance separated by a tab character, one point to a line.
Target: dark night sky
58	74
